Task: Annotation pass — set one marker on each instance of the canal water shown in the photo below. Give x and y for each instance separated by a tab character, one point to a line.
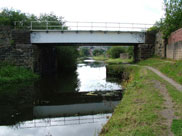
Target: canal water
72	104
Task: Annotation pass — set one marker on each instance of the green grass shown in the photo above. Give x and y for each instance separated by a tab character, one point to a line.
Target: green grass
138	112
177	127
113	61
118	61
14	74
100	58
172	69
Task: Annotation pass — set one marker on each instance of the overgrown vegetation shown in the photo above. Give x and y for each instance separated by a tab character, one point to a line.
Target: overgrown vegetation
133	115
9	16
98	52
121	72
13	74
115	51
172	20
84	52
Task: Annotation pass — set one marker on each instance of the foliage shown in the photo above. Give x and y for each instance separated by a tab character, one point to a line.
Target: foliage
84	52
173	17
114	52
98	52
156	27
14	74
9	16
130	51
118	71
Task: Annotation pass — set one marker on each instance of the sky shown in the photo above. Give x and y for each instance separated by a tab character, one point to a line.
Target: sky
124	11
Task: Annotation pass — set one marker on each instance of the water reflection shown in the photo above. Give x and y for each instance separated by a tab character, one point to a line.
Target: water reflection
70	126
63	105
92	76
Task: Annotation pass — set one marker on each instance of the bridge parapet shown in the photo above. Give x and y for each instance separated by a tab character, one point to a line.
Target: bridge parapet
78	26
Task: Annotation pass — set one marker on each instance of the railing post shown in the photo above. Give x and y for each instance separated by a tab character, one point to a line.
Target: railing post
106	25
77	26
47	25
61	26
31	25
91	25
15	24
119	26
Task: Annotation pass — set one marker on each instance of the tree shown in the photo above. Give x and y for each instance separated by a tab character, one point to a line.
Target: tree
114	52
8	18
84	52
173	17
98	52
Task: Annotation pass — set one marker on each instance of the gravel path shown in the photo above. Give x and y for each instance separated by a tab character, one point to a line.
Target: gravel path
171	81
168	111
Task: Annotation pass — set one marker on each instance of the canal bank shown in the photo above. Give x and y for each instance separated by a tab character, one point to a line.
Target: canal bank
150	106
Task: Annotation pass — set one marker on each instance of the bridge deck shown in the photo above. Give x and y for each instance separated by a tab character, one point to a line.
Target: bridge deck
87	37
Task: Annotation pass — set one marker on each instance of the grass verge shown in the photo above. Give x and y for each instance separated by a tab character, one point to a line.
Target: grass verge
118	61
112	61
138	112
14	74
177	127
170	68
100	58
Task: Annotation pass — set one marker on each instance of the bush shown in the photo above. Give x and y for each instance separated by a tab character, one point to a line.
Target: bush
98	52
84	52
118	71
114	52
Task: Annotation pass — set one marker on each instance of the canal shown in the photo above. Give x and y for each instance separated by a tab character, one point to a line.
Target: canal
71	104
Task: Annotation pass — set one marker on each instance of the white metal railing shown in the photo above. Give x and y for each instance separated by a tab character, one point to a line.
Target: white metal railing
63	121
92	26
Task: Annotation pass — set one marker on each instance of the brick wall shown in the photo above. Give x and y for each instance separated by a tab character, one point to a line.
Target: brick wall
175	37
174	47
174	51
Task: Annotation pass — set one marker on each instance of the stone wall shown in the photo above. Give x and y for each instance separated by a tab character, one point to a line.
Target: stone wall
15	47
124	56
20	55
5	36
143	51
21	36
160	45
174	47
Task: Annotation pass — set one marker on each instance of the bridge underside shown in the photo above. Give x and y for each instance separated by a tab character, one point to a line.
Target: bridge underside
87	37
